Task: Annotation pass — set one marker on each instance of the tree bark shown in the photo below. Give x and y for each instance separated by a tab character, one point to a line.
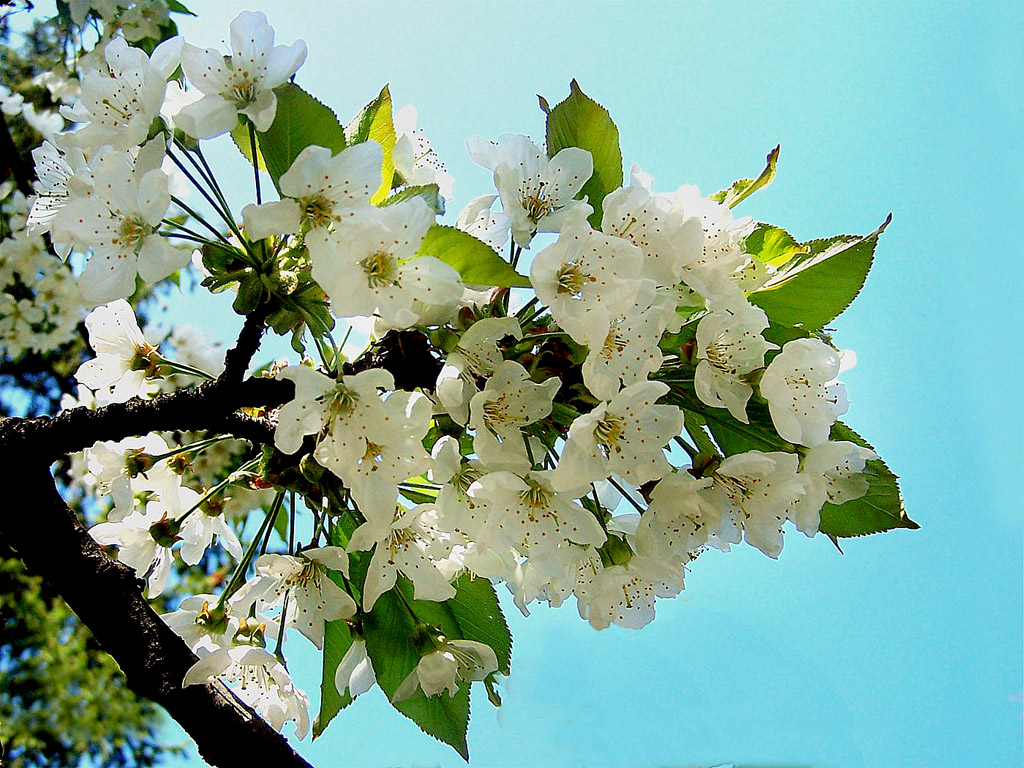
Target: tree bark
106	596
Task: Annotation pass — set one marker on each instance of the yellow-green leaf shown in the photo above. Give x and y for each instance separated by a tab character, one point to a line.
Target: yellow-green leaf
376	123
744	188
579	121
473	259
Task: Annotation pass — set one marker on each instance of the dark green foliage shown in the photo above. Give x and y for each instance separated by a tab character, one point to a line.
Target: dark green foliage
62	698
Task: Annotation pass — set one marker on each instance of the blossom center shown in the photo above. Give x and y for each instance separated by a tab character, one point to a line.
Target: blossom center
609	432
380	268
497	413
318	210
536	204
242	88
132	232
571	279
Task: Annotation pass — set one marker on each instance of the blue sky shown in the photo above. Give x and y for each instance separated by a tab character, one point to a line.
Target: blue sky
907	649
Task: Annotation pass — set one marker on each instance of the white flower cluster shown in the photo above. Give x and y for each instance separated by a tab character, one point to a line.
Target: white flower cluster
515	462
40	305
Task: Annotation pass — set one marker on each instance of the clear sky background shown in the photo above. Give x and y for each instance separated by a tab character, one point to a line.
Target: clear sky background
905	651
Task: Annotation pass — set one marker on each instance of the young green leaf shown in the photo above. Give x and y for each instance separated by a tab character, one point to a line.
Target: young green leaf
814	290
301	121
430	193
773	246
240	135
337	641
175	7
390	631
579	121
881	509
475	608
473	259
375	123
744	188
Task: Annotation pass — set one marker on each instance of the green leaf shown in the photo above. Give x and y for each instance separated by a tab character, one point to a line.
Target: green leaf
744	188
881	509
419	495
813	290
175	7
301	121
475	608
735	437
579	121
391	644
473	259
772	245
250	294
430	193
337	641
240	135
375	122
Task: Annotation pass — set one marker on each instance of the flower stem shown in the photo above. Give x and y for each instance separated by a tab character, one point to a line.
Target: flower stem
626	496
238	577
218	488
197	446
255	162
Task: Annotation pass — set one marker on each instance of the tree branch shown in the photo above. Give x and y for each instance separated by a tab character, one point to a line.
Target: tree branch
237	359
106	597
209	406
14	165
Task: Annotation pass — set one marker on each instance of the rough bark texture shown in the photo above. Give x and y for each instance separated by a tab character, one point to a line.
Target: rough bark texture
105	594
107	598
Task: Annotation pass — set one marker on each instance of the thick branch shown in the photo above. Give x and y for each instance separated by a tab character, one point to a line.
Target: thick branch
208	406
106	597
237	359
14	166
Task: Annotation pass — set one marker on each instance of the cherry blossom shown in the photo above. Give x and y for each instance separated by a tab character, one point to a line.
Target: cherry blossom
240	85
537	194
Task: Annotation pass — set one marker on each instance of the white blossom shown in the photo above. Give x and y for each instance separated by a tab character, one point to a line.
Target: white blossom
669	237
124	468
479	220
451	663
678	520
624	347
537	194
756	492
476	354
729	347
302	583
119	221
242	84
371	265
123	356
201	627
319	189
119	102
508	402
354	675
262	682
625	436
412	544
625	594
794	384
415	160
201	526
583	270
833	472
529	516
